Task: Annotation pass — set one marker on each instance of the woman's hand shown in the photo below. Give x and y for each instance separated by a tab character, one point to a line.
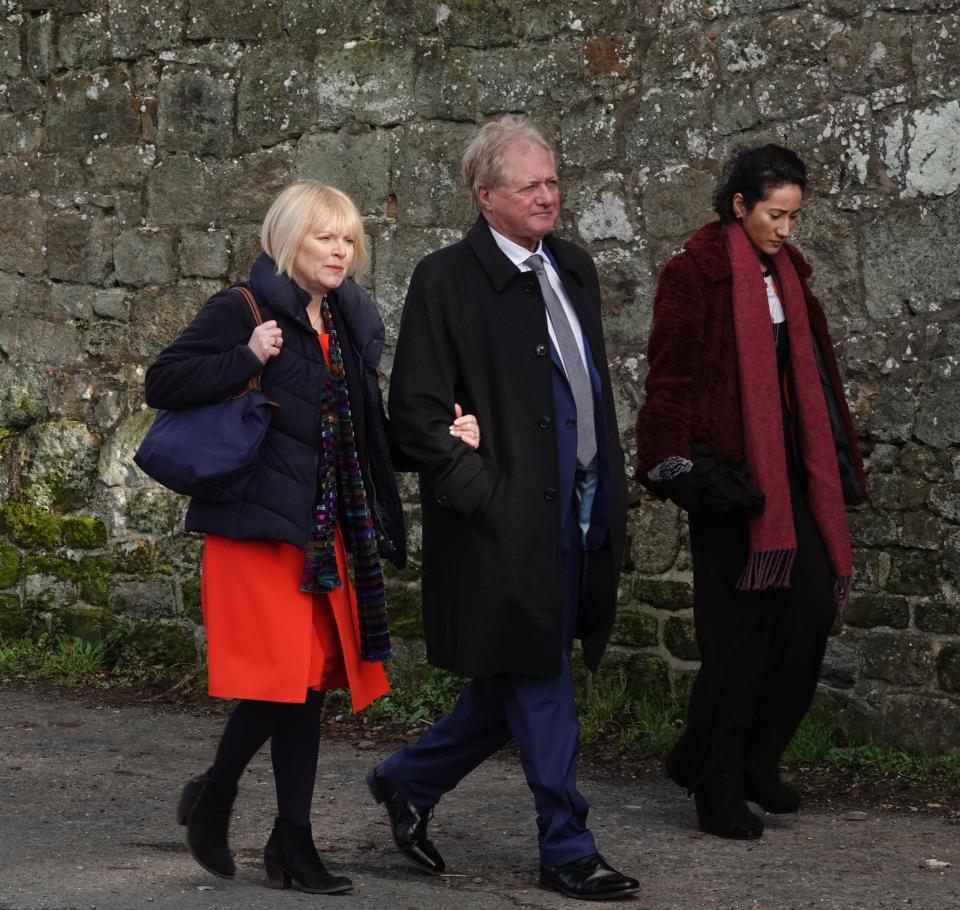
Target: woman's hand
266	340
465	427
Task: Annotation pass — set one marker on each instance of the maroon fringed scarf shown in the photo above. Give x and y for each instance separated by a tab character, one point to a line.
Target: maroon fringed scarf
773	543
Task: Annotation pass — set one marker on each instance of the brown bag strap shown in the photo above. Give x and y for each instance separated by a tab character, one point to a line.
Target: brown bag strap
247	295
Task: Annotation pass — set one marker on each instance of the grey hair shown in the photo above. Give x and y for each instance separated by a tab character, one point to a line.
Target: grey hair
483	159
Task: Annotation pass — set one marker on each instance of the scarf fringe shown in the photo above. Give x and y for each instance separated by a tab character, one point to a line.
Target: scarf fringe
841	592
766	570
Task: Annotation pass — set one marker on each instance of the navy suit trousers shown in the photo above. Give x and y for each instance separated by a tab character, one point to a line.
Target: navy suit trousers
538	712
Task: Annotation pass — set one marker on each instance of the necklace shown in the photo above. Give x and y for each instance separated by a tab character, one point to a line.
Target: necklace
317	323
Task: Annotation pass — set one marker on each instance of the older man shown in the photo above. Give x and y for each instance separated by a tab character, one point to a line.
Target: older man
522	536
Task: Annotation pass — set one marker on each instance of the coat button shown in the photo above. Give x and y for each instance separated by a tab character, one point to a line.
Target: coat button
529	287
545	423
549	494
541	350
442	499
571	423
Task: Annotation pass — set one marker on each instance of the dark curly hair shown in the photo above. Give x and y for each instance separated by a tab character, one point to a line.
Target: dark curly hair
753	173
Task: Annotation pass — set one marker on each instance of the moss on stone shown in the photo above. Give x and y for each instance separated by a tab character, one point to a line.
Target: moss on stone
44	593
31	527
64	467
14	620
83	533
53	566
914	572
943	618
94	575
635	628
868	611
88	623
825	712
680	638
192	608
154	510
682	683
666	595
646	675
948	667
9	565
410	572
135	558
159	644
404	611
179	550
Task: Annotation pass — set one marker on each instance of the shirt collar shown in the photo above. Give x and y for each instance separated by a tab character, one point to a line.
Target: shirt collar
517	254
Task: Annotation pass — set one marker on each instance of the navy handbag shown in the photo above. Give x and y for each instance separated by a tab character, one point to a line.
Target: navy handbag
209	451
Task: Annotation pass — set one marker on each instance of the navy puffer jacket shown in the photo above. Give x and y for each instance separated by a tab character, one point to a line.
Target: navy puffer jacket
211	361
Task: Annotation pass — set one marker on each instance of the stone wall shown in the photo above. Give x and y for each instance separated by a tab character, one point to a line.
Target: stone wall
141	141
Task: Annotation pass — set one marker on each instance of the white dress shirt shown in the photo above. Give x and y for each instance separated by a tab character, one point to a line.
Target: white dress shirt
518	255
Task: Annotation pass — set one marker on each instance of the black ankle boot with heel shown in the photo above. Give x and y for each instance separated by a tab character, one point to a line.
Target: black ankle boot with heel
205	810
771	794
722	810
291	859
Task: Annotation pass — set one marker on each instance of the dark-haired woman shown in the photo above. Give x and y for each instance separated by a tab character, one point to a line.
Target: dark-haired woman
746	427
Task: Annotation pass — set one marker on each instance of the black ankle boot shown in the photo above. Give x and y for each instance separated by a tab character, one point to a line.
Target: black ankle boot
291	858
205	811
771	794
722	810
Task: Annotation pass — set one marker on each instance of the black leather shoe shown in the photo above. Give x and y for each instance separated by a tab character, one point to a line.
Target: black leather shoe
588	878
206	813
291	858
408	825
726	814
771	794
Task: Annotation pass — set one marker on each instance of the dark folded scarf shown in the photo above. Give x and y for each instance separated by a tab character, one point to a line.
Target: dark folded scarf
340	491
773	543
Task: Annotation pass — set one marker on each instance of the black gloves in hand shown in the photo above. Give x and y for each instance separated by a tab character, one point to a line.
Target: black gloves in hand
715	486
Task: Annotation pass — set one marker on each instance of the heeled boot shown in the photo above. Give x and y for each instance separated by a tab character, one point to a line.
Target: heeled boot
722	808
762	783
291	858
205	810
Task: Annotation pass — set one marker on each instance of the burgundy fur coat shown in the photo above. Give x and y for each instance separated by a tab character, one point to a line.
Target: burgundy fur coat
692	385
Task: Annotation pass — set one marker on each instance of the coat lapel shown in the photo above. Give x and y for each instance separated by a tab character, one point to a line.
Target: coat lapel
499	269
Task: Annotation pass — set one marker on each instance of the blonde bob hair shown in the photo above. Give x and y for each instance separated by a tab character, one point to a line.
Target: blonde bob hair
304	205
483	160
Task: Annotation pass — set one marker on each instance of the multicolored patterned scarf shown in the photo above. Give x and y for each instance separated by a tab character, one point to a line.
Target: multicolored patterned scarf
340	492
773	543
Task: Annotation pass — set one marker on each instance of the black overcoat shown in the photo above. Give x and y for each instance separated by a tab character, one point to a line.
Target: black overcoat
474	331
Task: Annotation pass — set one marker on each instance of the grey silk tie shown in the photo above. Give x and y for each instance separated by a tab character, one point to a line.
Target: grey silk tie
576	370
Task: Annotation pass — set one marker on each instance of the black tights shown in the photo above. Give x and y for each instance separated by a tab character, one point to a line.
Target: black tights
294	733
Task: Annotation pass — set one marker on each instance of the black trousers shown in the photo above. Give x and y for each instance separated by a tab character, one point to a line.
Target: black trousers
760	651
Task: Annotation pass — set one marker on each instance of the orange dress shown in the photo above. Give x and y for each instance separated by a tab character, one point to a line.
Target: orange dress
268	640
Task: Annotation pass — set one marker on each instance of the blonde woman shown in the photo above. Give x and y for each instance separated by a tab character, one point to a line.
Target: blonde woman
284	619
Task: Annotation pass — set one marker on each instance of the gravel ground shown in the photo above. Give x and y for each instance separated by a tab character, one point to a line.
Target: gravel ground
87	791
